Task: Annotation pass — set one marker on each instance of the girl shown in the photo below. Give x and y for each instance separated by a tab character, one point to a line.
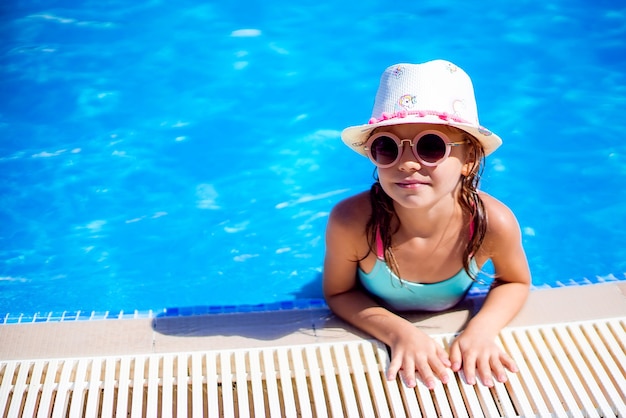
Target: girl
418	238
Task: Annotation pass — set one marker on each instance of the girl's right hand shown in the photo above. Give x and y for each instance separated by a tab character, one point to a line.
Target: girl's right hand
413	353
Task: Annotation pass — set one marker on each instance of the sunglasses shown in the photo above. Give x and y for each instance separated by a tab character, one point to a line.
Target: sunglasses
429	147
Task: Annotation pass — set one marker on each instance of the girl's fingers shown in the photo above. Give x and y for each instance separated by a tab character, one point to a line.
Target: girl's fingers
456	359
407	373
469	369
426	374
403	367
394	366
497	370
408	376
443	356
440	368
483	366
509	363
429	366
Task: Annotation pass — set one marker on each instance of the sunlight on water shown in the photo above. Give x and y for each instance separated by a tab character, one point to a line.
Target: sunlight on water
158	154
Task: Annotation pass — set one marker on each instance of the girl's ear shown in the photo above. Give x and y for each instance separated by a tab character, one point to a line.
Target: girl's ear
470	162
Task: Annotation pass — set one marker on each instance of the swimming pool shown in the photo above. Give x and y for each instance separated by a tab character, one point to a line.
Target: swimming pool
170	155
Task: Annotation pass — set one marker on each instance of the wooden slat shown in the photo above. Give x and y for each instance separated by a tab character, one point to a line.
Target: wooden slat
79	387
212	385
269	372
152	402
256	380
49	386
63	390
136	407
123	387
375	382
242	374
182	384
167	386
19	389
196	385
33	389
6	386
315	379
333	395
358	373
227	385
93	390
285	382
108	396
301	382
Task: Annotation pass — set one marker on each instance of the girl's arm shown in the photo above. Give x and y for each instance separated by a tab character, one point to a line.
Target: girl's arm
411	349
475	349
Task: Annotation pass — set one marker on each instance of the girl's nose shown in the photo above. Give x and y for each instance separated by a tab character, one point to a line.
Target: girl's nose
408	162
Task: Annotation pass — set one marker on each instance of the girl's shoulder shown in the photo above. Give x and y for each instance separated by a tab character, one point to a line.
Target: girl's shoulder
501	221
345	231
496	210
354	210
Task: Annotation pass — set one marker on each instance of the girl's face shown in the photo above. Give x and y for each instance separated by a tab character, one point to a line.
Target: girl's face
414	185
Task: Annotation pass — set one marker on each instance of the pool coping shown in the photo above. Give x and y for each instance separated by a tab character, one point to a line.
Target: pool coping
201	332
309	303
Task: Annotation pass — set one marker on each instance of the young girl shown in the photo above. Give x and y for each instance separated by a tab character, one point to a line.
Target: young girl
419	237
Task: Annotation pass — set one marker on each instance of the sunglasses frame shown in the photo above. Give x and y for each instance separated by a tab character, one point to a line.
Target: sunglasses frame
413	144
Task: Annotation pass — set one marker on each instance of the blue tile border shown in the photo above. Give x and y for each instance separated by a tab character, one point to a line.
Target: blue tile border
68	316
298	304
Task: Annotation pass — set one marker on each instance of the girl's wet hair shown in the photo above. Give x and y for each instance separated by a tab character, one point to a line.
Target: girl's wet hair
384	217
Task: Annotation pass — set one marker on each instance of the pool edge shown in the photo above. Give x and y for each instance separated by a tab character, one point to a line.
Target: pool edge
278	328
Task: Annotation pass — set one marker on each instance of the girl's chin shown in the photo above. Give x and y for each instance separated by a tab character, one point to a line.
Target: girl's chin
411	201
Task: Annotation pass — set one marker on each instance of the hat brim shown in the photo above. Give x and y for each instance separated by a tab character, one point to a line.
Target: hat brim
355	137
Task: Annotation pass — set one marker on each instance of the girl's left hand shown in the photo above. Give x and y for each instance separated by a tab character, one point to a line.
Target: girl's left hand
479	355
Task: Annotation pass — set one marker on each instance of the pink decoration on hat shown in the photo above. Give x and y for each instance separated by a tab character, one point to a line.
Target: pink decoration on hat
419	113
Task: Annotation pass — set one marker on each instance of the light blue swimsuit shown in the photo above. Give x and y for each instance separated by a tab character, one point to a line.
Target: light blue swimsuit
403	295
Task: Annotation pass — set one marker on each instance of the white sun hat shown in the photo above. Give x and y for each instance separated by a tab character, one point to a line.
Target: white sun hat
436	92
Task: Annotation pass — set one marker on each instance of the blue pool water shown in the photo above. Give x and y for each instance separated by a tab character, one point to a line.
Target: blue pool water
170	154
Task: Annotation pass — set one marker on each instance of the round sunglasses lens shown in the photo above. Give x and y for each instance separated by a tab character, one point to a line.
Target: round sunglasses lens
431	148
384	150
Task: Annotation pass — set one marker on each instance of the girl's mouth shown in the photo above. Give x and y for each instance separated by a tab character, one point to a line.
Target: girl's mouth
411	184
